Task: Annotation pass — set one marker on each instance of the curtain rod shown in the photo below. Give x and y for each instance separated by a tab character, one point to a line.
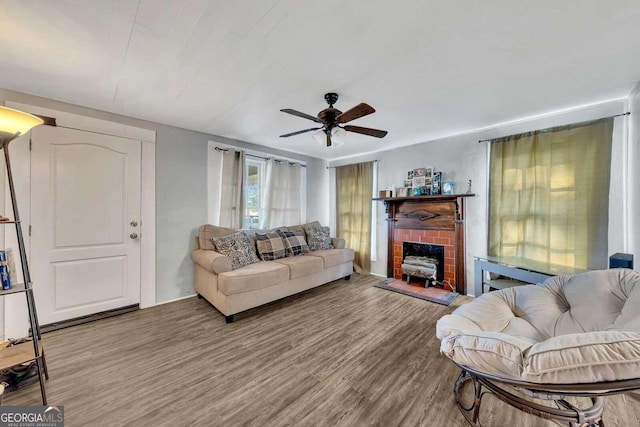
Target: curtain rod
617	115
333	167
226	150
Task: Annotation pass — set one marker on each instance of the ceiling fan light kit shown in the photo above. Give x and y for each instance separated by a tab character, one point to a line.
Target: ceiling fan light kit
331	132
336	137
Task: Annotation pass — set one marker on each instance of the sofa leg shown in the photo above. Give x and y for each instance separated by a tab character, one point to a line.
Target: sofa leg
199	296
347	277
228	319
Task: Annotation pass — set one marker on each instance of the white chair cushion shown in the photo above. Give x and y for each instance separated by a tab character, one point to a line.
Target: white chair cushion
490	352
584	358
582	328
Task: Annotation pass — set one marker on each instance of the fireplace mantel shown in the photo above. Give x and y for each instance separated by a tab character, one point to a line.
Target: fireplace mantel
437	213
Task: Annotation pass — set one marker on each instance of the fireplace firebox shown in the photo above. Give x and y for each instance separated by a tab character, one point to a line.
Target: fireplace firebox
419	260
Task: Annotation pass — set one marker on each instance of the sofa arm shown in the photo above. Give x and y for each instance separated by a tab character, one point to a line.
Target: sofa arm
211	261
338	242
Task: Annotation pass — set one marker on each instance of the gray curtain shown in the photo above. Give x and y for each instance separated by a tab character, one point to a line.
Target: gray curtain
232	190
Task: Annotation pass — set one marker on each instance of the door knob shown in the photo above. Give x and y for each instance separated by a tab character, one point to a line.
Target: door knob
133	235
133	223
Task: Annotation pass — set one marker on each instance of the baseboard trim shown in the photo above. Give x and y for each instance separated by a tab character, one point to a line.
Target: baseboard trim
89	318
176	299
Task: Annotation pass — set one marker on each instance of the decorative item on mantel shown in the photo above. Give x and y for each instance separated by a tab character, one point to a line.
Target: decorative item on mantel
423	182
436	185
402	192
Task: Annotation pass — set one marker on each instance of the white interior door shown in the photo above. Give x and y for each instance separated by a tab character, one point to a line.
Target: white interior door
85	213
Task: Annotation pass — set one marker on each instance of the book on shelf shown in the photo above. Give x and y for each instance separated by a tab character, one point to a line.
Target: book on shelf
8	274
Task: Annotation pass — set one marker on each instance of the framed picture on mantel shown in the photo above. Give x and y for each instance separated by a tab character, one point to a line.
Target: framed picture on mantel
447	187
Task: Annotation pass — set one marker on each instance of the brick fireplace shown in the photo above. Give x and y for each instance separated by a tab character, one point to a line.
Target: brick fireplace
435	220
432	237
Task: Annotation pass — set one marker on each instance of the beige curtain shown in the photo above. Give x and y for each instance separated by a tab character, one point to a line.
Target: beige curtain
281	195
232	189
549	195
354	188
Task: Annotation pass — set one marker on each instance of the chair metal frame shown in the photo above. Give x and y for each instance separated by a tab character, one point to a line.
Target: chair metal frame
505	389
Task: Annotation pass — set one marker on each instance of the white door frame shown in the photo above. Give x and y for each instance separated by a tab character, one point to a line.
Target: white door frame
148	183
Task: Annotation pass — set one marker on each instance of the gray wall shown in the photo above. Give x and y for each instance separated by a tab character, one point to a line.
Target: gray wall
462	157
181	189
181	195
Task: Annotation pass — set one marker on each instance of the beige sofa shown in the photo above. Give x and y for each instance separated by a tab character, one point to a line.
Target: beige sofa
234	291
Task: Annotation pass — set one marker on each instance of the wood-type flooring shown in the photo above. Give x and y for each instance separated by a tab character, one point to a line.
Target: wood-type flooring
344	354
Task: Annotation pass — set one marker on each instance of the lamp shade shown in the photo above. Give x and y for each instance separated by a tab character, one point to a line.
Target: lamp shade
14	122
338	136
320	137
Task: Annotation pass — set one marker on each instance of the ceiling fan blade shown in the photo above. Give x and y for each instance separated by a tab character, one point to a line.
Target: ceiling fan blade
366	131
298	132
299	114
356	112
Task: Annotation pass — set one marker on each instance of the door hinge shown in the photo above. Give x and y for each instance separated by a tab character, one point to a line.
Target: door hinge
29	229
30	144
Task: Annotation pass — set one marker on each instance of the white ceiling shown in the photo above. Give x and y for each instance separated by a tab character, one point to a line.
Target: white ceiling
430	68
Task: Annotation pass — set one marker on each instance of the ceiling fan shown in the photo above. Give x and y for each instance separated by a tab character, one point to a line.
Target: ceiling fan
332	119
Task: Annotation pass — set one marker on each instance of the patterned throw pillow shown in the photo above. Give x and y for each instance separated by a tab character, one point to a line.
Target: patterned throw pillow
318	238
238	248
270	246
294	242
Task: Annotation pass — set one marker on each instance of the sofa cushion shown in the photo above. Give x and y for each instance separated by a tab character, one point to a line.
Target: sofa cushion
333	257
208	232
318	238
238	248
260	275
294	242
270	246
301	266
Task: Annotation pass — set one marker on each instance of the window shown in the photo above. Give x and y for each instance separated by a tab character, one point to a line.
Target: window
549	193
254	190
273	192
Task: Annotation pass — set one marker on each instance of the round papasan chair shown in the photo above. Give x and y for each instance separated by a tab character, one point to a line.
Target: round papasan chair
574	335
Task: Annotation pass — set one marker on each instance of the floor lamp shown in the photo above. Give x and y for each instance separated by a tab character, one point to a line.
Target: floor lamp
14	123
